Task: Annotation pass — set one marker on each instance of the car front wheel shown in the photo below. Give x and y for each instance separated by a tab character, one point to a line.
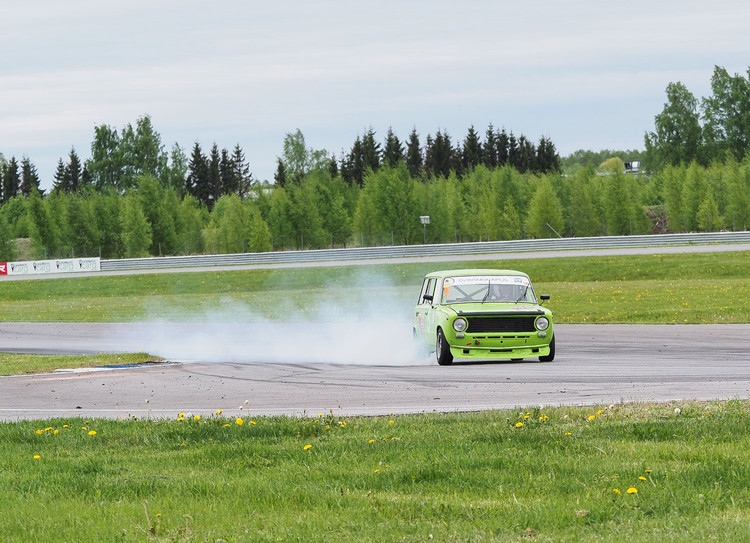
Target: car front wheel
442	350
551	356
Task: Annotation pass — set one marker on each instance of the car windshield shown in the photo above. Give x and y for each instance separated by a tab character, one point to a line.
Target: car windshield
513	289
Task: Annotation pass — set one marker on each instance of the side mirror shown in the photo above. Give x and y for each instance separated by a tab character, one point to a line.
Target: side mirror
544	297
427	297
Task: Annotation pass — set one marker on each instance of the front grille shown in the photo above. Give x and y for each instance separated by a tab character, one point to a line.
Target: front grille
478	325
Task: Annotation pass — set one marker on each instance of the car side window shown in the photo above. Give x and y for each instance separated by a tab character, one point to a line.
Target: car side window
428	288
423	291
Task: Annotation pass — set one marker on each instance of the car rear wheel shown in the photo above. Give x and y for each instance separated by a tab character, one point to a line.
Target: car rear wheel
551	356
442	350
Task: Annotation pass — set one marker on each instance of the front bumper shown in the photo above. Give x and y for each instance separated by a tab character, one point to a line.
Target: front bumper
500	347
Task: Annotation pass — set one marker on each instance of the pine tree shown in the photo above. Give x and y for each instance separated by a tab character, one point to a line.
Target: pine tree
414	158
489	148
370	152
11	180
471	155
136	231
197	178
394	151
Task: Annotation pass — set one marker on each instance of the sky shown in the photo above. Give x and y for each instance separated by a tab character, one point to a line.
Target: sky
587	75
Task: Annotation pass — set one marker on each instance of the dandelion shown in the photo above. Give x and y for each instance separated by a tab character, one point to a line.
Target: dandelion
568	433
252	422
181	415
65	426
180	419
632	490
227	425
307	447
391	421
239	421
377	470
649	470
219	412
591	417
616	491
92	432
371	441
642	478
40	432
37	457
56	432
196	417
519	424
599	412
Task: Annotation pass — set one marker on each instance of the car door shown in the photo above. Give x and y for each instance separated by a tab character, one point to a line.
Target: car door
423	311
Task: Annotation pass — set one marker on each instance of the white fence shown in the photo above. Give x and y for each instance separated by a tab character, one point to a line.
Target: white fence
60	265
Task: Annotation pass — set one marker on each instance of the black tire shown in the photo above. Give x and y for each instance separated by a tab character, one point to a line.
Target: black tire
442	350
551	356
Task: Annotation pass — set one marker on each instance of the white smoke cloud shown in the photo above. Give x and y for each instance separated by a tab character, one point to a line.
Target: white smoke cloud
369	325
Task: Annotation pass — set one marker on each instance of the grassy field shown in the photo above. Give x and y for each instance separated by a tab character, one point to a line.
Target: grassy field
670	472
679	288
641	473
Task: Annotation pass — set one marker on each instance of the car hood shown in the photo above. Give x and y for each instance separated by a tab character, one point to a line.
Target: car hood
488	308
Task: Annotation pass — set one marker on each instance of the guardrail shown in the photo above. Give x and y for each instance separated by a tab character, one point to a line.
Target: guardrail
406	251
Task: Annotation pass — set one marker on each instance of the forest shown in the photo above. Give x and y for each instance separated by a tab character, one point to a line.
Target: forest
132	197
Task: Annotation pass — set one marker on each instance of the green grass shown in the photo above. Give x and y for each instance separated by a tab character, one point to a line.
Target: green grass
670	288
456	477
14	364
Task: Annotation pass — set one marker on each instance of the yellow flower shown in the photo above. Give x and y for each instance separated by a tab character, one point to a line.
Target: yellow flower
616	491
48	428
371	441
599	412
56	432
252	422
196	417
40	432
642	478
180	419
391	421
227	425
632	490
65	426
377	470
649	470
37	457
568	433
180	415
239	421
592	417
92	432
308	447
218	412
519	425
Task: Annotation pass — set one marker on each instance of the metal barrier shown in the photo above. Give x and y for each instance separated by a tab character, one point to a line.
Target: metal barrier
406	251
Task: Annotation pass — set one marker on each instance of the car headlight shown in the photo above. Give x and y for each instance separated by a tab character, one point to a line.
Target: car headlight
542	323
459	325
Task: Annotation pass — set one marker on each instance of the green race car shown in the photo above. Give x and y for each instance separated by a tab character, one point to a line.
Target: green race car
483	314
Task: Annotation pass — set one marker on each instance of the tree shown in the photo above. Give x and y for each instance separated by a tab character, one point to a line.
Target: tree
394	151
727	114
136	231
175	174
678	134
84	235
11	180
370	151
197	180
7	242
545	212
489	148
42	229
29	177
298	159
472	151
106	163
414	159
153	204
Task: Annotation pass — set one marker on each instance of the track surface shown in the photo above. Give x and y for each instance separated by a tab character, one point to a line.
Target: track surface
596	364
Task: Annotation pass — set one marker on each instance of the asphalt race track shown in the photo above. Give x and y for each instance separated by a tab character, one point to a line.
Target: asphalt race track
595	364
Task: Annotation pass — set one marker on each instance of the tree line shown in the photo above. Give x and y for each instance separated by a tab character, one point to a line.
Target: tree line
132	198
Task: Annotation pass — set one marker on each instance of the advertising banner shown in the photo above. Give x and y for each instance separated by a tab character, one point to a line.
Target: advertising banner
60	265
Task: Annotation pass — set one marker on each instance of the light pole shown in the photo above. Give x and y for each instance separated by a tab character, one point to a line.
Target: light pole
425	221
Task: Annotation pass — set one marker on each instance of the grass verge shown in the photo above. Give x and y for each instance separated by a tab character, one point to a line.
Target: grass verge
624	472
670	288
16	364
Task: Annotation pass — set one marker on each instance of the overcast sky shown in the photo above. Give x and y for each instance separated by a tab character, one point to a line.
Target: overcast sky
586	74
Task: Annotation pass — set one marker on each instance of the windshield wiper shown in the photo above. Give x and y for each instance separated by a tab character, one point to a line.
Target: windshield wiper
488	292
523	295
